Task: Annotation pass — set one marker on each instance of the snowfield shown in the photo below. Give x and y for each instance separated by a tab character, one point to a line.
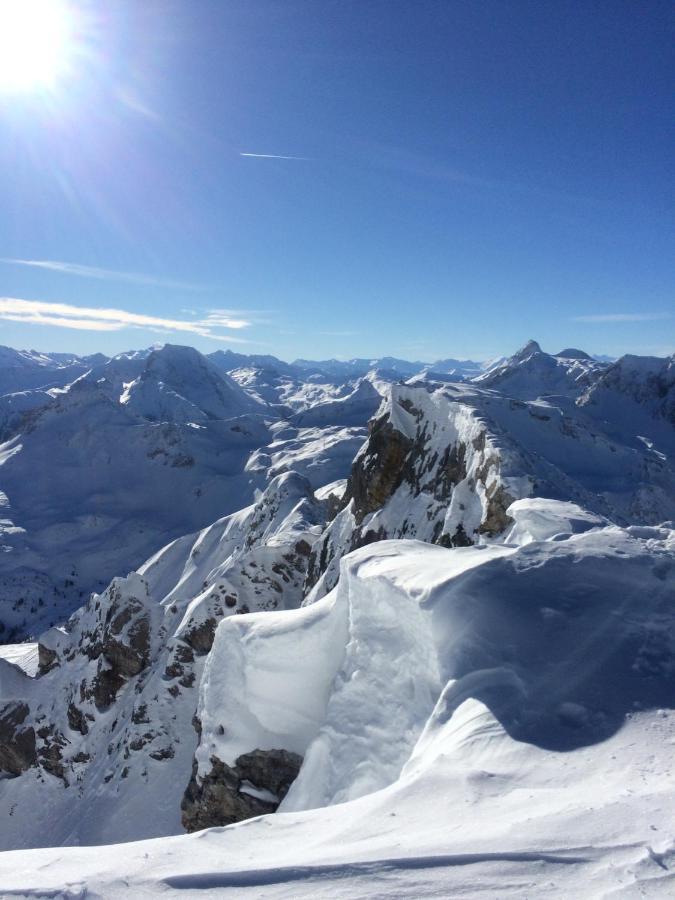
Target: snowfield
517	742
449	674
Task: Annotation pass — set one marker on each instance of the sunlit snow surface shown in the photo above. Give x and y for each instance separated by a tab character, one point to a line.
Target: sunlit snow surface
489	721
481	722
25	656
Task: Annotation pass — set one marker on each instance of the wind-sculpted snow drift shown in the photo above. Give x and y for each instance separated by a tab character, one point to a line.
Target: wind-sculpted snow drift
460	665
523	683
560	639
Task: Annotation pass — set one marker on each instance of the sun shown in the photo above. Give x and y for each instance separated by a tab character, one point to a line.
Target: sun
35	43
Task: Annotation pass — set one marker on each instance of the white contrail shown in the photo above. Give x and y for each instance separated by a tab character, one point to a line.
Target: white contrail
274	156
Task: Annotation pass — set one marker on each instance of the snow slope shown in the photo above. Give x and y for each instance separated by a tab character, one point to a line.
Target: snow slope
353	409
636	396
179	384
321	454
100	479
501	751
484	710
110	718
22	370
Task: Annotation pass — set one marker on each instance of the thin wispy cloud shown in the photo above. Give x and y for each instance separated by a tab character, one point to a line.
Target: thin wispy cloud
623	317
64	315
273	156
81	271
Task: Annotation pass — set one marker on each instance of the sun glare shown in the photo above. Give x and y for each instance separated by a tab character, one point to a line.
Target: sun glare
35	38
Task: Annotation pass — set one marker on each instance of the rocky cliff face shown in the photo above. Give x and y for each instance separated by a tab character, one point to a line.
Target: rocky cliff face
110	719
443	463
431	469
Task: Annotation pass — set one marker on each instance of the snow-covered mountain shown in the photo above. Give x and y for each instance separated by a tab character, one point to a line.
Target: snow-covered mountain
228	361
396	368
178	383
401	725
109	471
137	450
455	666
635	388
444	462
351	409
22	370
531	373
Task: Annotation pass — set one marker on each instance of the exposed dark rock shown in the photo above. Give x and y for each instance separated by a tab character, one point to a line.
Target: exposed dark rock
460	538
183	653
220	797
50	754
140	714
47	659
496	519
128	659
376	477
164	753
275	770
452	470
303	548
76	719
105	687
17	742
200	638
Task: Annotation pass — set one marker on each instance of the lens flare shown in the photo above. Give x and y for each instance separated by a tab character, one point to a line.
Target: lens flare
35	44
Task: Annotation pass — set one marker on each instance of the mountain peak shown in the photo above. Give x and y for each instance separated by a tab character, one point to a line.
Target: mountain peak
527	350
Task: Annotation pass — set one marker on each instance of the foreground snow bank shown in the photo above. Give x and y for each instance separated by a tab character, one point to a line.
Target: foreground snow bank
484	721
559	639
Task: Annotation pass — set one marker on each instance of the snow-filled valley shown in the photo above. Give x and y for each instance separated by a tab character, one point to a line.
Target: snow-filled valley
337	629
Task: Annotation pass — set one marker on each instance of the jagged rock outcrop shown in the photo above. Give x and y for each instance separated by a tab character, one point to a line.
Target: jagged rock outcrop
443	464
256	784
109	717
17	739
431	469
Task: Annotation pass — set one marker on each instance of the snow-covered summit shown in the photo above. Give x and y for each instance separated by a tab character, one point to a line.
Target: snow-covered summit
22	370
179	384
531	373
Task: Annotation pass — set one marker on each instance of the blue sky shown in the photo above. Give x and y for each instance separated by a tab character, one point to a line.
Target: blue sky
463	176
